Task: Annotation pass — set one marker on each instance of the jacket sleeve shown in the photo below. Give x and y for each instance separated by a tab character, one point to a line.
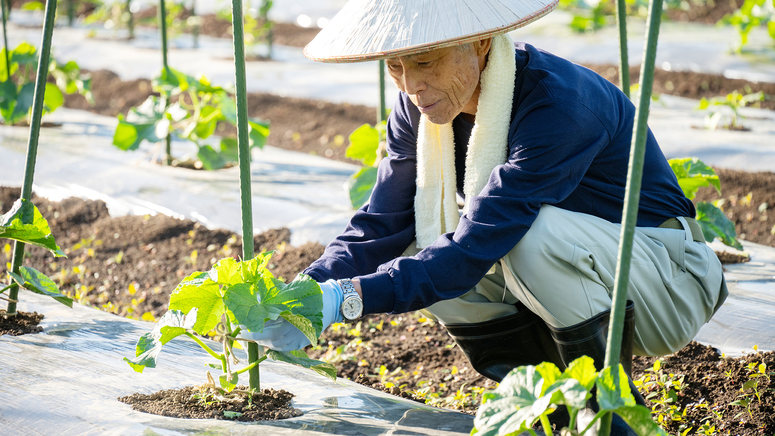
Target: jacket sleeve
384	227
551	146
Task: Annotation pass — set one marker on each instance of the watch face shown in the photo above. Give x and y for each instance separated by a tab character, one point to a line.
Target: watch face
352	308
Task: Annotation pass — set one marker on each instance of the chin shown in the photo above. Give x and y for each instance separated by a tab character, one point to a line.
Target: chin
439	119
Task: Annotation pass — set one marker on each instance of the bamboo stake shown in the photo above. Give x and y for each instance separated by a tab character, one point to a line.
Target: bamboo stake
32	145
254	352
632	197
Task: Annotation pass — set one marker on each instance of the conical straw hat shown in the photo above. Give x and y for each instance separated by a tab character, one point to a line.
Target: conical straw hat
377	29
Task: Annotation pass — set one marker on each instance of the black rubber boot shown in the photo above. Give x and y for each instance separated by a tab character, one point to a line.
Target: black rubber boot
589	338
496	347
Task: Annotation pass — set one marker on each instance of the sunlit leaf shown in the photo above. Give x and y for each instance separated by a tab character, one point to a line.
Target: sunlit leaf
715	224
24	223
693	174
300	358
173	324
360	185
39	283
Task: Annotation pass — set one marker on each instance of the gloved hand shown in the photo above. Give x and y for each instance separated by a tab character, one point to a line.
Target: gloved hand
280	335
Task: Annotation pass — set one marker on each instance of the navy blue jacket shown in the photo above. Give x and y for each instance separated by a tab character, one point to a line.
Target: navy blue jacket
569	144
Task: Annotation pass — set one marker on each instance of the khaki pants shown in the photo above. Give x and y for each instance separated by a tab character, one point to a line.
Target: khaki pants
563	270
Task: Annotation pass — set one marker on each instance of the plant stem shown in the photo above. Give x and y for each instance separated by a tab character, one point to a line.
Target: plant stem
243	147
624	64
251	366
632	198
204	346
163	31
32	145
546	424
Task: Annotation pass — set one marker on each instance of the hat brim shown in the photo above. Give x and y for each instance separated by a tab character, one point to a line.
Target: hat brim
422	48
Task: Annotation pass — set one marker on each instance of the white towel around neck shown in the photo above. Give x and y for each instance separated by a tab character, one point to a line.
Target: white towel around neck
435	203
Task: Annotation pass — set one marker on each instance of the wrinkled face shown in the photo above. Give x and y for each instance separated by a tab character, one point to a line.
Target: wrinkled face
444	82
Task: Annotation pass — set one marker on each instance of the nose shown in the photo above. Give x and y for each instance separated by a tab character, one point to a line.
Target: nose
414	81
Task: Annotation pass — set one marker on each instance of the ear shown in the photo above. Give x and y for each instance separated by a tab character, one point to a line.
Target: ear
482	49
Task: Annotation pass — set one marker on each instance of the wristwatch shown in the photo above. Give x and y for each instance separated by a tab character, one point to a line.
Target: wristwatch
352	305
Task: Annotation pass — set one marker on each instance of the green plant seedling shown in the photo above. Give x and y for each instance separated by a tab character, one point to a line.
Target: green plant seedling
367	146
752	13
529	394
236	295
24	223
17	91
692	174
194	117
724	112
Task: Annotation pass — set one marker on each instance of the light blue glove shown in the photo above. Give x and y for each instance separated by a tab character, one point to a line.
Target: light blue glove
280	335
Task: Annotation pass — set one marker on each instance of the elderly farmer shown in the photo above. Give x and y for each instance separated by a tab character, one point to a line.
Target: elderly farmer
534	150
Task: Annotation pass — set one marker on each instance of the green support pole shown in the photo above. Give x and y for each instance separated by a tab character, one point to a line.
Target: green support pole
70	12
381	112
254	353
195	30
163	30
632	197
5	39
130	24
624	63
32	145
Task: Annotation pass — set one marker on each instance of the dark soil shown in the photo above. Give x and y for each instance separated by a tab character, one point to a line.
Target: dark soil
22	323
198	402
754	216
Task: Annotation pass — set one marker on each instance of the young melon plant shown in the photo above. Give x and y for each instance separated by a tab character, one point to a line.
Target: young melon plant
194	116
529	394
693	174
25	224
231	297
724	112
17	87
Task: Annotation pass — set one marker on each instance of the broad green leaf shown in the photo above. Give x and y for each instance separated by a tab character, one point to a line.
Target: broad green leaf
202	294
300	358
145	122
33	6
229	149
211	159
173	324
39	283
243	307
364	143
302	297
306	326
360	185
204	129
226	384
515	400
610	395
549	373
639	419
24	223
53	98
258	132
24	54
715	224
693	174
229	271
24	101
583	370
7	94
